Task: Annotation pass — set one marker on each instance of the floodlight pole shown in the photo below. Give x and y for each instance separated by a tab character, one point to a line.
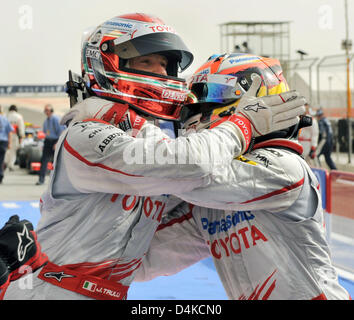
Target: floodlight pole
349	98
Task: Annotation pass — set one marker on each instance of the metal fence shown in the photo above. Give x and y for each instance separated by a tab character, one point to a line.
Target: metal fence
322	81
299	74
326	89
332	83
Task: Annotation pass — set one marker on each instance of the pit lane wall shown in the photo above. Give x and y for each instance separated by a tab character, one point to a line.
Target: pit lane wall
337	190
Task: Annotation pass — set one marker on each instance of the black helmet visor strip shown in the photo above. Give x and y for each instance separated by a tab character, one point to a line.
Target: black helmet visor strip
167	44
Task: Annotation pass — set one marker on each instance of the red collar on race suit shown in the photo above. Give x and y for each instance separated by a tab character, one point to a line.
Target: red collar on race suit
120	115
280	143
115	113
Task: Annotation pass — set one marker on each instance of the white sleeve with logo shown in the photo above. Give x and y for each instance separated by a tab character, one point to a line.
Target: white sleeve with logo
265	179
102	158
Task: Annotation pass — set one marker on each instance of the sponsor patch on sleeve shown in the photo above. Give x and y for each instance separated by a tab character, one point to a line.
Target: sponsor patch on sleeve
104	144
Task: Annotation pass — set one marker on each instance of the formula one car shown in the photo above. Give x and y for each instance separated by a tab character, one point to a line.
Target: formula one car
30	152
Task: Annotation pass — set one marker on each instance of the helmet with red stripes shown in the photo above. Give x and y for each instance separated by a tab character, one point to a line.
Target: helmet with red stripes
106	51
219	84
223	79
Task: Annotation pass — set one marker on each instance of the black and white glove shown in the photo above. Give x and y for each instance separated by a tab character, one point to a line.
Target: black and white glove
19	248
256	116
270	113
4	276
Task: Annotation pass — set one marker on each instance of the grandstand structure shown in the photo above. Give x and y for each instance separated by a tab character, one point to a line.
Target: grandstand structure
259	37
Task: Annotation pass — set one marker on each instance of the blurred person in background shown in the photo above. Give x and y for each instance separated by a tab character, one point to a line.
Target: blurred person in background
52	129
246	48
16	120
325	143
308	138
5	140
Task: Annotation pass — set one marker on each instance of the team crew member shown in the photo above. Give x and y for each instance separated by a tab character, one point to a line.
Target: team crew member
107	195
52	130
325	144
308	138
5	140
18	125
263	224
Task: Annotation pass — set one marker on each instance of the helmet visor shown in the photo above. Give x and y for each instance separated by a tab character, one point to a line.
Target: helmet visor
216	88
158	42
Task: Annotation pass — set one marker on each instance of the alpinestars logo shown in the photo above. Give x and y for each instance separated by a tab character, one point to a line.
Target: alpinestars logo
58	275
254	107
24	242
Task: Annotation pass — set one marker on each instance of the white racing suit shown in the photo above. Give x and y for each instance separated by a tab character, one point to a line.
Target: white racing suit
308	138
106	197
18	124
263	228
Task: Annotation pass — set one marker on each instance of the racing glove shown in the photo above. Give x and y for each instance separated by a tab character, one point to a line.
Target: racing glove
270	113
19	248
4	278
255	116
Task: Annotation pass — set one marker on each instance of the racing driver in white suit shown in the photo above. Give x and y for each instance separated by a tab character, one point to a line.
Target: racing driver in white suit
109	188
261	218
